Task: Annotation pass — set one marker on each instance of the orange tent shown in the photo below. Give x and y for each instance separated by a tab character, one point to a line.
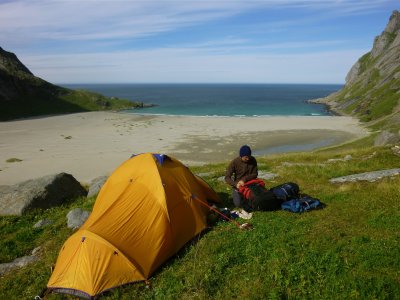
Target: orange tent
146	211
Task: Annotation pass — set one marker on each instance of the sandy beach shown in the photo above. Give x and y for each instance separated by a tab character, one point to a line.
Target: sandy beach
88	145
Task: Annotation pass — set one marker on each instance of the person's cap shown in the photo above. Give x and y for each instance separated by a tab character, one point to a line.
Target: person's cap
244	151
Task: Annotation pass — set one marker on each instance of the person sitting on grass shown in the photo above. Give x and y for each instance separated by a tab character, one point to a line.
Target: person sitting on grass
240	170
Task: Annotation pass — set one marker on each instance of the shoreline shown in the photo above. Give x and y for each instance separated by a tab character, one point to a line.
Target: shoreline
92	144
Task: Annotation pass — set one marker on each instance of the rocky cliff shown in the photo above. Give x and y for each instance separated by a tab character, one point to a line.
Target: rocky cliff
22	94
372	89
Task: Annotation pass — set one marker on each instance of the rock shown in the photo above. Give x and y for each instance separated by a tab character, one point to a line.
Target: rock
386	138
205	174
36	251
96	185
19	262
45	192
381	42
371	79
290	164
396	150
353	73
42	223
333	160
76	217
261	174
267	175
368	176
366	157
346	158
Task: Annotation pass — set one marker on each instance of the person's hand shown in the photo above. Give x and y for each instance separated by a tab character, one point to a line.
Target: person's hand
240	184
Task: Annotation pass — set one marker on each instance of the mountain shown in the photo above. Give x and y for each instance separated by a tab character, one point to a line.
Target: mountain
22	94
372	89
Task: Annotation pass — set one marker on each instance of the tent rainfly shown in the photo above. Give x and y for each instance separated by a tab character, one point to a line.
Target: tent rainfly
145	212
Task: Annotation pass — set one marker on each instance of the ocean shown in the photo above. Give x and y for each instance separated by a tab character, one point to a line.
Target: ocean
220	99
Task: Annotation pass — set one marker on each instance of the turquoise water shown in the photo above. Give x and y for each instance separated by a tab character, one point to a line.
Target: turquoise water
220	99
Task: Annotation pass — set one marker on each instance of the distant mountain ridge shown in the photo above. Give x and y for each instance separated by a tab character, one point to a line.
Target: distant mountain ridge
22	94
372	89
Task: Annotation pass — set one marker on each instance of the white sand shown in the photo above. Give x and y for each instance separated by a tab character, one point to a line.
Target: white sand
88	145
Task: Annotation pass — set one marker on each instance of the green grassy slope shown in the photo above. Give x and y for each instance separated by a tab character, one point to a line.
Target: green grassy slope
372	90
64	101
24	95
348	250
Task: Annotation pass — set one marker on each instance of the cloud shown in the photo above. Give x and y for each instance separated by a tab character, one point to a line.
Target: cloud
179	41
194	65
101	20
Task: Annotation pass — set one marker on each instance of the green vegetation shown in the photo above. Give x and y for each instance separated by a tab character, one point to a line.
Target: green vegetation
348	250
389	99
90	101
61	102
371	101
13	159
373	94
365	62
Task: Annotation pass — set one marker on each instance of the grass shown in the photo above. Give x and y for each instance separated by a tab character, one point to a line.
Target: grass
348	250
43	102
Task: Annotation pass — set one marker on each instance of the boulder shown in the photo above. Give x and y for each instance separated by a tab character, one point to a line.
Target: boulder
76	217
396	150
346	158
267	175
261	174
368	176
96	185
42	223
19	262
44	192
386	138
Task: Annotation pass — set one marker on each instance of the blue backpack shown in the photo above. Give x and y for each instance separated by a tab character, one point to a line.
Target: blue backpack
286	191
302	204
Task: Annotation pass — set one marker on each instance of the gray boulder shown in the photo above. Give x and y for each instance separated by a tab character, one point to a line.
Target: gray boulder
45	192
368	176
386	138
267	175
76	217
205	174
96	185
346	158
19	262
42	223
261	174
396	150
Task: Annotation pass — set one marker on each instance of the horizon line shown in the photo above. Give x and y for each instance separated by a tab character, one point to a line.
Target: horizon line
200	83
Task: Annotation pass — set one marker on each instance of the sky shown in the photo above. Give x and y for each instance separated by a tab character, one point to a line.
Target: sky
192	41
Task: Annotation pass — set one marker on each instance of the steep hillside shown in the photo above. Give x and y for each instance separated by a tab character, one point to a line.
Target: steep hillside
372	89
22	94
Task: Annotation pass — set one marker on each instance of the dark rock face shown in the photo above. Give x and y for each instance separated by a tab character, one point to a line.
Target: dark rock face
45	192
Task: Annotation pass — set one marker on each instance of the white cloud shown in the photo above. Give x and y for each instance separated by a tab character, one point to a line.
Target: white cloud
189	65
78	41
93	20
